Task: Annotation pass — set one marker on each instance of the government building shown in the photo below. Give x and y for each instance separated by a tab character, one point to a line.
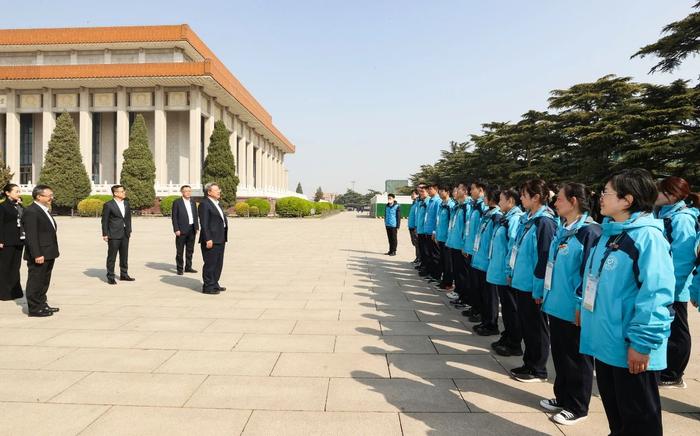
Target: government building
103	77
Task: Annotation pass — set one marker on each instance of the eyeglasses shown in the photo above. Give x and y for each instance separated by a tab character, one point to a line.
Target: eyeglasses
48	196
606	193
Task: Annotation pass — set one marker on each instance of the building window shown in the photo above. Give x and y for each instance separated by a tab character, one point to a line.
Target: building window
96	146
26	144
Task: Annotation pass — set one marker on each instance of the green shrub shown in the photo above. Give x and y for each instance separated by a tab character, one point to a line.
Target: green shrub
262	205
219	165
90	207
242	208
26	200
293	207
254	211
103	197
166	204
139	170
322	208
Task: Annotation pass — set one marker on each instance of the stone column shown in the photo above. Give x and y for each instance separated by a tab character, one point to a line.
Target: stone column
258	162
249	159
48	123
160	136
85	126
195	136
122	141
12	135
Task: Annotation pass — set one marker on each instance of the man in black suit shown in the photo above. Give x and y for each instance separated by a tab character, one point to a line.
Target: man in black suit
42	250
213	237
185	226
116	231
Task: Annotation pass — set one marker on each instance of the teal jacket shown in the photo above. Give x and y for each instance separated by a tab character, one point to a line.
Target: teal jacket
478	209
455	231
694	288
568	255
392	215
532	246
431	215
680	229
412	215
443	220
421	210
635	290
482	239
504	233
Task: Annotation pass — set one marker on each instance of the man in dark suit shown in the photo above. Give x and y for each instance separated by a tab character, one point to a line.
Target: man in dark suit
213	237
116	231
42	250
185	226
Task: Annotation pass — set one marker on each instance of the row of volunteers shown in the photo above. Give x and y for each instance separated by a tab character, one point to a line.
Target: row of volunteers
610	296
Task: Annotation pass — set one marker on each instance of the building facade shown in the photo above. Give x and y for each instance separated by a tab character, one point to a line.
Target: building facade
103	77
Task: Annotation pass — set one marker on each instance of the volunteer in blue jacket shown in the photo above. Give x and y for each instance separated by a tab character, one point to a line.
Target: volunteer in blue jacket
421	210
681	229
694	288
477	278
441	229
412	224
432	250
455	242
628	289
505	231
576	235
392	222
480	262
528	264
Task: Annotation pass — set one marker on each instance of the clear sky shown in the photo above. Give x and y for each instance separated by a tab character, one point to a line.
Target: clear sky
369	90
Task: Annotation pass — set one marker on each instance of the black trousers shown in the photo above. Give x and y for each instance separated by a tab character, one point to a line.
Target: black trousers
414	242
430	256
477	280
535	333
184	243
631	401
38	281
115	246
512	334
391	234
213	264
423	258
489	307
10	263
678	353
459	272
446	262
574	380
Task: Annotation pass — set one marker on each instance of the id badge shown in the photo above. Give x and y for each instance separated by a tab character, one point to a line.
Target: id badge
477	242
590	293
467	228
513	256
491	248
548	276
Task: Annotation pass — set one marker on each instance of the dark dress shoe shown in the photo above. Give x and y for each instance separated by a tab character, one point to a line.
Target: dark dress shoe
40	313
111	281
190	270
210	291
126	279
180	273
221	289
51	309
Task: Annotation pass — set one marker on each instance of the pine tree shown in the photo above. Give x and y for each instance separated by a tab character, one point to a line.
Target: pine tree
319	194
219	166
5	173
138	170
63	168
299	190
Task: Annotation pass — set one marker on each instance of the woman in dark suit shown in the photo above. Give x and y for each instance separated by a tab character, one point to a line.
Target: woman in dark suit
11	243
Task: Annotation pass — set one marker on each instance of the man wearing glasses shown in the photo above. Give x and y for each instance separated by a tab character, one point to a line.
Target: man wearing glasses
116	231
42	250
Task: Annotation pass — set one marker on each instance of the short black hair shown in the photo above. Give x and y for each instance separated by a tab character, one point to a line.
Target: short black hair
479	184
511	193
445	188
8	188
39	190
433	185
415	191
493	192
580	192
536	187
638	183
115	187
182	188
391	196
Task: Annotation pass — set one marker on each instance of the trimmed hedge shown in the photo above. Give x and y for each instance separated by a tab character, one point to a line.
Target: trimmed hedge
26	200
293	207
90	207
254	211
104	197
166	204
262	205
242	208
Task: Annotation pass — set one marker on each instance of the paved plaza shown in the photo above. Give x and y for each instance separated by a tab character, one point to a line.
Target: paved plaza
318	333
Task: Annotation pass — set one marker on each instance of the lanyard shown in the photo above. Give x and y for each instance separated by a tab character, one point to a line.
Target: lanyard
562	241
609	248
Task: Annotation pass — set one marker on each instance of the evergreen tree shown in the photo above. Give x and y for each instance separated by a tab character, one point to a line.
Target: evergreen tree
63	168
139	170
299	190
319	194
5	174
219	165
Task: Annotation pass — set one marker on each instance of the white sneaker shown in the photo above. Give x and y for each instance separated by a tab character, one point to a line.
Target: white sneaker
550	405
452	295
567	418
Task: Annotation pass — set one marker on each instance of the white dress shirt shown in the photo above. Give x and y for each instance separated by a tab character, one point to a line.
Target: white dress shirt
221	212
48	214
188	208
120	205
